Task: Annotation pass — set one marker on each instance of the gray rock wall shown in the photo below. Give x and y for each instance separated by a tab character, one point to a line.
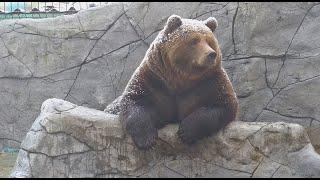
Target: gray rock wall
270	51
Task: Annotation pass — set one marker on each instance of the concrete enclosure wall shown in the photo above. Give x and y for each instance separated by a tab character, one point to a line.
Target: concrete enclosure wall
270	51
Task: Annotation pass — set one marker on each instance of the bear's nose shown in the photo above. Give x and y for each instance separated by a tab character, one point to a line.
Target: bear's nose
212	56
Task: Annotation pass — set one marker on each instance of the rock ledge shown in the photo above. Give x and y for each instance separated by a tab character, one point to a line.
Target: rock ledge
67	140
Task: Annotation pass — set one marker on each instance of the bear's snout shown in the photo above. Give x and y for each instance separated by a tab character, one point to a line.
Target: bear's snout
211	56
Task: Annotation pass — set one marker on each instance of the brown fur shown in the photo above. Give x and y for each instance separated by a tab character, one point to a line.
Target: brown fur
178	81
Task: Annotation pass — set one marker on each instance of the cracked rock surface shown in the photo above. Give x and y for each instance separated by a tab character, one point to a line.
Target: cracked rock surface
67	140
270	52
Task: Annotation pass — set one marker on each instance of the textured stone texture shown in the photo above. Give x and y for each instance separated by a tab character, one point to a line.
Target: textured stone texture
270	51
67	140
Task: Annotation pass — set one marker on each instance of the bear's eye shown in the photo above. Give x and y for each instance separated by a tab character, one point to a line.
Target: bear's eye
195	41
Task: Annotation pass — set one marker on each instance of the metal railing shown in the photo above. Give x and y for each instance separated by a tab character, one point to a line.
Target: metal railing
17	10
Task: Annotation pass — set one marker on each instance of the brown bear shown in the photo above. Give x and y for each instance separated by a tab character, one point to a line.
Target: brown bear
180	80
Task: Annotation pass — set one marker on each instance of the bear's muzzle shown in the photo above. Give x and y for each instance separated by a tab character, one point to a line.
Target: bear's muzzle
210	59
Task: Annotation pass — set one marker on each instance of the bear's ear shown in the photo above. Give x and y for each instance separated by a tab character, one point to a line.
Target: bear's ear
173	22
212	23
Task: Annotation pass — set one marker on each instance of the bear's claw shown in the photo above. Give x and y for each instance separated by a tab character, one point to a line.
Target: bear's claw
146	141
186	137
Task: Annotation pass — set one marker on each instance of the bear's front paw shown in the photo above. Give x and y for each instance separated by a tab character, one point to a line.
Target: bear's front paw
187	134
145	141
186	137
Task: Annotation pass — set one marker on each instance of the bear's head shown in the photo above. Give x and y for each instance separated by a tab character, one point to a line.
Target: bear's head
187	47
